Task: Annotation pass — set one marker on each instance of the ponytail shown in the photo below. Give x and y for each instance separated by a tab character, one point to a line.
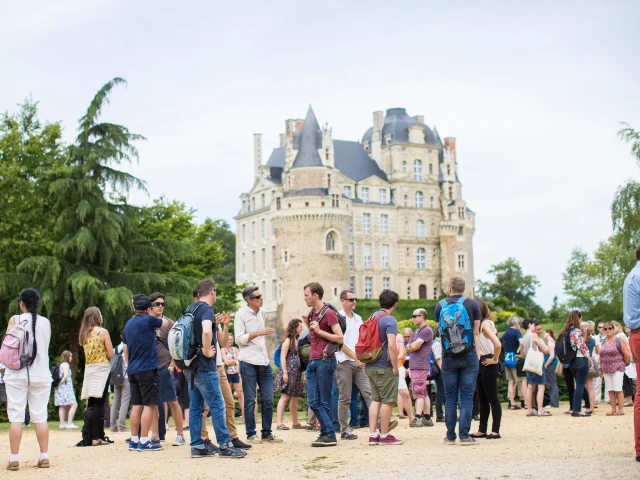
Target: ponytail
31	300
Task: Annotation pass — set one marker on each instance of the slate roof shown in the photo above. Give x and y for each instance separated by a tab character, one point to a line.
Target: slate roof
310	142
397	123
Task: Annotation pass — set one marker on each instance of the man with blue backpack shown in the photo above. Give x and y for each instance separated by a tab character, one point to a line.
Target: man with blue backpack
459	323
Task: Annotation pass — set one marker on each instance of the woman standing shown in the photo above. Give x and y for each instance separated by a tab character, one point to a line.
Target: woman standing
31	383
288	379
64	397
404	398
614	355
550	364
232	365
97	351
580	365
593	373
489	347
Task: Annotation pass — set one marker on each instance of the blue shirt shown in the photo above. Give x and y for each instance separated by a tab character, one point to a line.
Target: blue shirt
205	312
631	298
387	325
140	339
510	339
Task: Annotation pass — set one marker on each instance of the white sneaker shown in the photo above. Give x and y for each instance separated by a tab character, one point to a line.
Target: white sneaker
179	441
71	426
63	426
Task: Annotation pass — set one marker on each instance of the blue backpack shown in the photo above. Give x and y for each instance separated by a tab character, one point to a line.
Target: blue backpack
455	327
276	355
181	340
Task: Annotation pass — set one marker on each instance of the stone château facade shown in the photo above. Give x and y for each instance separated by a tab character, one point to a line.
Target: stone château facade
383	213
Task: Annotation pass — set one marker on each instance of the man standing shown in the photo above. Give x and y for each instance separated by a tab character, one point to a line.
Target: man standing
166	366
631	307
141	355
350	370
325	332
460	362
254	364
204	381
511	339
420	348
383	374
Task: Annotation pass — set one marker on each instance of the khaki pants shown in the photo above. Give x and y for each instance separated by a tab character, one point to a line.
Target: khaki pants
230	407
348	372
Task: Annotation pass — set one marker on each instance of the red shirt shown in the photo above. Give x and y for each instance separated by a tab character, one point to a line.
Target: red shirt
317	342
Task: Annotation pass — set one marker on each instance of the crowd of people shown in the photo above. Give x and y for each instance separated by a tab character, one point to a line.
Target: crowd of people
354	371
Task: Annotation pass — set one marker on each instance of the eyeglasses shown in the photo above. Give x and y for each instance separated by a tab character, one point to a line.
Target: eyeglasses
257	297
607	328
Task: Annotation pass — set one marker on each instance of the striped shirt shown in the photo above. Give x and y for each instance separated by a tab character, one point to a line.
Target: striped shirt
631	298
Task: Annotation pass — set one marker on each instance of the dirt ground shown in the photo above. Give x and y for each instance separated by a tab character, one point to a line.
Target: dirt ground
554	447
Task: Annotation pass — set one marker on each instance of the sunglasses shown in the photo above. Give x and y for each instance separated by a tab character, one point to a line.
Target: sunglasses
415	316
257	297
158	304
350	300
607	328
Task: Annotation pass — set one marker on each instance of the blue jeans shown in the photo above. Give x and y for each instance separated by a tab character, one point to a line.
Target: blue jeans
320	377
262	376
579	367
206	388
335	396
459	375
359	416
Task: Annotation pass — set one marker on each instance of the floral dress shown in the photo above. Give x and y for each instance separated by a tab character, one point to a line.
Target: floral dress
294	387
64	395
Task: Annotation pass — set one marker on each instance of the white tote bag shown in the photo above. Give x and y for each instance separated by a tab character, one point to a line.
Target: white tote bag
534	361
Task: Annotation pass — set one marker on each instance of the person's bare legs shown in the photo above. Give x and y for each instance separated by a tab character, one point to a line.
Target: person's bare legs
512	392
42	434
612	401
148	414
155	428
400	403
419	406
282	405
592	394
62	413
176	413
406	402
385	417
620	398
529	398
293	407
237	387
185	418
15	436
374	413
72	413
522	389
540	399
134	419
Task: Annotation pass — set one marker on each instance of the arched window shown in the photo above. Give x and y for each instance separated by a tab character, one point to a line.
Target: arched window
431	202
404	166
420	228
417	170
406	200
421	259
419	200
331	242
431	169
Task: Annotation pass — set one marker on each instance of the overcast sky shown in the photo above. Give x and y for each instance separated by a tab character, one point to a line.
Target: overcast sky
533	93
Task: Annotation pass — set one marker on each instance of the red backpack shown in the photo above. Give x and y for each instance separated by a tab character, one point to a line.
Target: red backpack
369	346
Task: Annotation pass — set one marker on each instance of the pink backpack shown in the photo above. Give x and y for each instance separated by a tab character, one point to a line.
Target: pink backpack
14	353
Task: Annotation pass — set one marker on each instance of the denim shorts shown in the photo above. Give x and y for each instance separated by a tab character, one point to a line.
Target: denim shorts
233	377
534	379
167	386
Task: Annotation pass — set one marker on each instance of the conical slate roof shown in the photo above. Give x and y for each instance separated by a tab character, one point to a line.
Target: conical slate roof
309	142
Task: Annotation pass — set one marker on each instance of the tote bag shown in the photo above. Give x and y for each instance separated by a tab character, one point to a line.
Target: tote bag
534	361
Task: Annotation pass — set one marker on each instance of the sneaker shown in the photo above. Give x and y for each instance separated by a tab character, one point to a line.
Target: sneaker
416	423
179	441
392	424
254	440
389	440
440	420
155	440
325	441
63	426
231	452
271	438
465	442
426	423
449	442
133	446
114	429
201	452
208	444
348	435
374	438
628	403
149	447
239	444
122	430
72	426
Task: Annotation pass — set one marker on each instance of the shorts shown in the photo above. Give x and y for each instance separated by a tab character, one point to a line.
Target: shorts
419	383
402	379
613	381
167	386
512	374
3	393
534	379
233	377
145	387
19	392
384	385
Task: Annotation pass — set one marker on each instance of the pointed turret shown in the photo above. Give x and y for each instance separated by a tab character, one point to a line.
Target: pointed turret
437	135
309	144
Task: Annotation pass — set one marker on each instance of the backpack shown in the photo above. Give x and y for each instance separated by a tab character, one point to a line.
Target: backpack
342	320
276	355
304	349
117	370
455	327
369	346
434	369
14	353
55	374
183	346
564	350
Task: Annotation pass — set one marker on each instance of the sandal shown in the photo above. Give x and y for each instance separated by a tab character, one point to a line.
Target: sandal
534	414
493	436
568	412
402	417
544	414
478	435
298	426
610	414
282	427
619	413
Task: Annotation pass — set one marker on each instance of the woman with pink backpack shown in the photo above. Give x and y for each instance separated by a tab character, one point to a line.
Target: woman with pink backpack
25	354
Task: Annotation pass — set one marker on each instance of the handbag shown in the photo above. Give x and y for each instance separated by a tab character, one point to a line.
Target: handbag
534	361
594	371
559	370
510	359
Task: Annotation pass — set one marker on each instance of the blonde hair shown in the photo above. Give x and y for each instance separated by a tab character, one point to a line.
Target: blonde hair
92	318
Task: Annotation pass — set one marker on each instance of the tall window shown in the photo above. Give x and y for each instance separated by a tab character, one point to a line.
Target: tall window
351	255
460	230
335	201
450	193
419	200
366	222
346	191
273	260
262	201
278	203
461	261
253	231
274	287
285	256
264	259
421	259
431	169
435	292
352	284
253	261
417	170
331	242
383	195
420	228
386	283
384	224
253	203
244	263
264	289
365	194
406	200
385	256
409	293
461	212
448	169
367	255
404	166
263	231
431	202
244	233
368	287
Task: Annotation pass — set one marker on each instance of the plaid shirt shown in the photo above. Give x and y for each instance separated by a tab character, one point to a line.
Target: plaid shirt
631	298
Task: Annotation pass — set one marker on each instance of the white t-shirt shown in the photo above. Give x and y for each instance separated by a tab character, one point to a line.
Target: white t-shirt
350	336
219	361
39	371
436	348
485	347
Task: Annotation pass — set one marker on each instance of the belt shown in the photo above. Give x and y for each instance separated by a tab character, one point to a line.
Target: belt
637	330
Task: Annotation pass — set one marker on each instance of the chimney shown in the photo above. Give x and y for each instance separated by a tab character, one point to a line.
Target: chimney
299	124
290	126
419	118
450	142
378	119
282	139
257	152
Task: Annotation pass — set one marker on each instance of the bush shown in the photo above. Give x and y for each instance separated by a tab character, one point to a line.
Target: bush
402	324
405	308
